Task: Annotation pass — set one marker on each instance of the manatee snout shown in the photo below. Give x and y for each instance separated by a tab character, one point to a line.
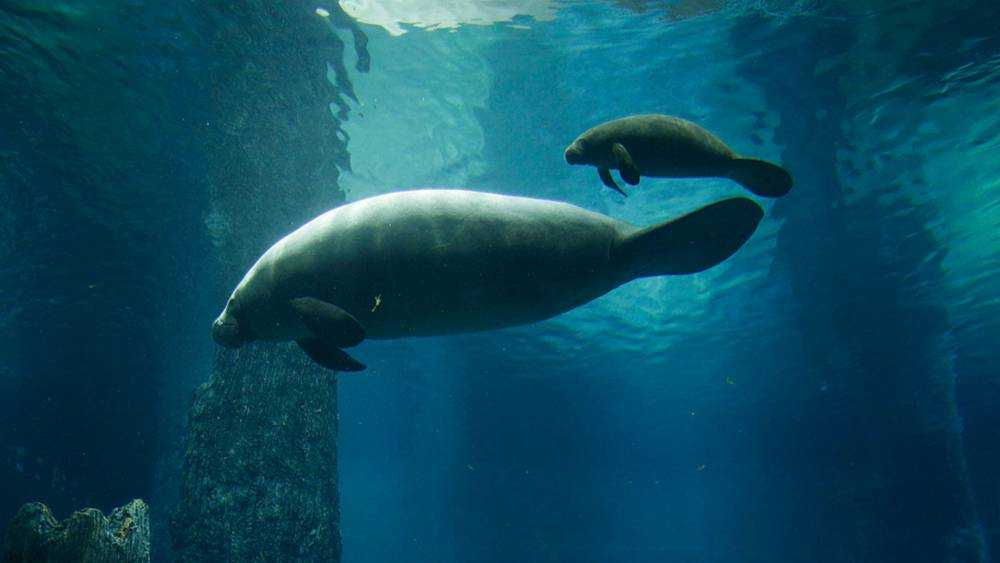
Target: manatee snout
574	154
226	331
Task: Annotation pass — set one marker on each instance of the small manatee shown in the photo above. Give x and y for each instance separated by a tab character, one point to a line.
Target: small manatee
663	146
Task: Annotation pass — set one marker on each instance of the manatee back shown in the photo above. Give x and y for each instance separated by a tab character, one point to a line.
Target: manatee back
663	145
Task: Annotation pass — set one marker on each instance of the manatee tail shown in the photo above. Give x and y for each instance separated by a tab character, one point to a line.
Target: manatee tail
761	177
692	243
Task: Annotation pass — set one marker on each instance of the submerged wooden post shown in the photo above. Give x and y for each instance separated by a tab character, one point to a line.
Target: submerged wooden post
88	536
260	472
260	475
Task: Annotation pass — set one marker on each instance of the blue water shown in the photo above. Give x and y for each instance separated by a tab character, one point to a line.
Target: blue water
828	394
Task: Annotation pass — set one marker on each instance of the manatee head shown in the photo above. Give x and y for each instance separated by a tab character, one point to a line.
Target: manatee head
226	330
593	147
576	152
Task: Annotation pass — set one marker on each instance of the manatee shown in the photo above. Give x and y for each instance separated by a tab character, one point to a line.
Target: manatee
437	261
670	147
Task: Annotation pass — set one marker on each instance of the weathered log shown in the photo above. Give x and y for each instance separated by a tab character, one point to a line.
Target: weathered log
88	536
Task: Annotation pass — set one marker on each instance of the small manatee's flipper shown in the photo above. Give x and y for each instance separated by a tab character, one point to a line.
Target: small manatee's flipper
761	177
329	322
328	355
626	167
605	175
689	244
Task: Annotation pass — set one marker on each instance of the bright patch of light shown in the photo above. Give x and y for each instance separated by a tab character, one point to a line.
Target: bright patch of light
393	15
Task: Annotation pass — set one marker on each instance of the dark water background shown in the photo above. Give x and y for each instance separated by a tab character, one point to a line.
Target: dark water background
829	394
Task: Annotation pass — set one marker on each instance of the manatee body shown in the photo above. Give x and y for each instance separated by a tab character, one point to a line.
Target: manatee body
431	262
670	147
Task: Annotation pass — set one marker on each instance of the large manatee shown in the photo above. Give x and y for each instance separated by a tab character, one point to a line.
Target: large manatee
430	262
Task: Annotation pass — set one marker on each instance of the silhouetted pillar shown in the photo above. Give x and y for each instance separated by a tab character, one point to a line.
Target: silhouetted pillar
875	448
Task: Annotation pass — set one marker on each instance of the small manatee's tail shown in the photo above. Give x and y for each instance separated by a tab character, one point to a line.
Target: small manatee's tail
689	244
761	177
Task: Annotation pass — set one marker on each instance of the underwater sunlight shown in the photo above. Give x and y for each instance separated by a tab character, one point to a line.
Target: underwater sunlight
500	280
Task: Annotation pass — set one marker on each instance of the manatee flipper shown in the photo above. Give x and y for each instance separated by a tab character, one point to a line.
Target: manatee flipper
760	177
328	355
329	322
627	168
691	243
605	175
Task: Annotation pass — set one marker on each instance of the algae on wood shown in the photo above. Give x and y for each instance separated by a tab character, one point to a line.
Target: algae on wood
260	474
88	536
